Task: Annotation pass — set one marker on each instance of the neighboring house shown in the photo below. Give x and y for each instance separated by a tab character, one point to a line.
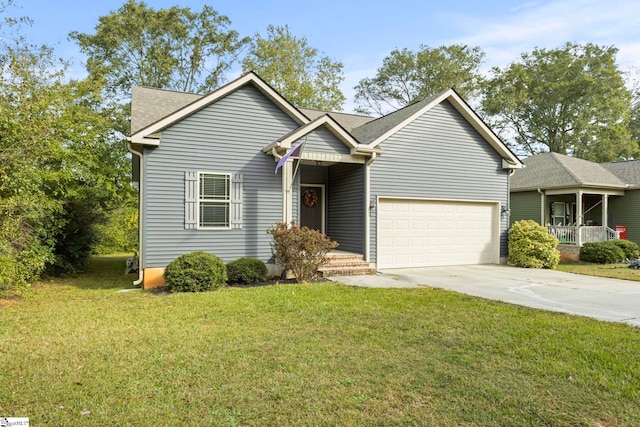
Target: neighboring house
579	201
427	185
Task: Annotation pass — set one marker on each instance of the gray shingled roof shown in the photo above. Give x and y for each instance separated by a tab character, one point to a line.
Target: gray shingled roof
628	171
373	129
148	105
553	170
347	121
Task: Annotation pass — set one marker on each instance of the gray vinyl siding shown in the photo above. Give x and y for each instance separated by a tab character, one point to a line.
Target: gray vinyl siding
525	205
313	175
627	212
321	140
345	212
225	137
439	156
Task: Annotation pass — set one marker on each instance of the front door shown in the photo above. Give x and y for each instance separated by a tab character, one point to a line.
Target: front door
312	206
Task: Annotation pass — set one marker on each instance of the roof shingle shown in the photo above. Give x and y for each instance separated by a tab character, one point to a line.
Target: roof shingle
553	170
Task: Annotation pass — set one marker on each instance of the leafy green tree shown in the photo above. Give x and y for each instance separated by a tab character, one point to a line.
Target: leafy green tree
407	77
297	71
59	168
571	100
173	48
634	120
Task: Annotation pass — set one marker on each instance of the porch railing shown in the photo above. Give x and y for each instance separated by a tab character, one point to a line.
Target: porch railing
567	234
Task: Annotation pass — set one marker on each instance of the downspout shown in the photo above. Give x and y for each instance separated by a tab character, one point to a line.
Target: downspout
367	207
140	205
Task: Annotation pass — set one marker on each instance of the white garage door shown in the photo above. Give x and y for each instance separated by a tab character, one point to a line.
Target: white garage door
418	233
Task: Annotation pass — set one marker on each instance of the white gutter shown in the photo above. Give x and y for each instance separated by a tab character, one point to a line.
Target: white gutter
140	205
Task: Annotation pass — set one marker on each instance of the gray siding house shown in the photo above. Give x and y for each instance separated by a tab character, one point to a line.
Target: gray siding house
425	185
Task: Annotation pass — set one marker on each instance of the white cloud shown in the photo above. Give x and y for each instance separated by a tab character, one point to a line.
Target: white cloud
552	24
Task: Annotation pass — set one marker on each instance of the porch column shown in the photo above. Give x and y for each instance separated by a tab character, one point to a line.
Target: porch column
543	208
605	210
579	218
287	193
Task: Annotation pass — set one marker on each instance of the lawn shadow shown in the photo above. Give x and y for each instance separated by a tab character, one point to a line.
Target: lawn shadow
104	272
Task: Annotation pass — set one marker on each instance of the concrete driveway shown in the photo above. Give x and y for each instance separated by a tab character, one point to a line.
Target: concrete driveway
597	297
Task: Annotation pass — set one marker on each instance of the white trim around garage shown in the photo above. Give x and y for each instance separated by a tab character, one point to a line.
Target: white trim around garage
454	249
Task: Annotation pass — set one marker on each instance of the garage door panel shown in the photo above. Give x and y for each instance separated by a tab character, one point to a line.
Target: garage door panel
415	233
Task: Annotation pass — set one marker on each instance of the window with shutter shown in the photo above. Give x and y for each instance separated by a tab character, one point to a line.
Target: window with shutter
213	200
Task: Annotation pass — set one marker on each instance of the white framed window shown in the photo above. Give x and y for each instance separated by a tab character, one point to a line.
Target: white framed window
214	200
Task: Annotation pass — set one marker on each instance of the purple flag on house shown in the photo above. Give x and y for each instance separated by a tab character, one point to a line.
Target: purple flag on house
295	151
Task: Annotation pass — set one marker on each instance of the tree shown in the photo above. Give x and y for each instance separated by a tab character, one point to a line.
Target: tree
171	48
297	71
571	100
634	120
407	77
59	169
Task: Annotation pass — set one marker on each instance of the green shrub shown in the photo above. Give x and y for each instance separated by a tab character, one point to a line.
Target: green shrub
631	249
531	246
195	272
246	270
601	252
300	249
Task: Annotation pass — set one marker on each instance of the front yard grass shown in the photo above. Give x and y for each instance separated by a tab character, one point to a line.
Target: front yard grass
77	352
616	271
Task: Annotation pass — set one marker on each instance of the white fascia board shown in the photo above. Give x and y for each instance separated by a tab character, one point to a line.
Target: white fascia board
326	120
143	135
507	165
477	123
573	190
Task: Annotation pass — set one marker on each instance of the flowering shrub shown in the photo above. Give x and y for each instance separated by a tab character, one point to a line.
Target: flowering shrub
300	250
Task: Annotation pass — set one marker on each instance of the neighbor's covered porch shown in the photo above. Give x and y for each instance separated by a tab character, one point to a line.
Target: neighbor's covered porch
580	216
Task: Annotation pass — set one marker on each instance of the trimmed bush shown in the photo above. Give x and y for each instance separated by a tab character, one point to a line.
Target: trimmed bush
602	252
631	249
300	250
246	270
195	272
531	246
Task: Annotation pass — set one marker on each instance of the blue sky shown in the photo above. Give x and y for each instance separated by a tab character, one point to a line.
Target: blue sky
361	33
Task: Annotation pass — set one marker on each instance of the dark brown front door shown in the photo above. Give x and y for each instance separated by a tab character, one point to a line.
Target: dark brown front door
312	207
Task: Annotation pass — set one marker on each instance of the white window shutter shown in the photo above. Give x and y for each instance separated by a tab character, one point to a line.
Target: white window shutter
190	200
236	201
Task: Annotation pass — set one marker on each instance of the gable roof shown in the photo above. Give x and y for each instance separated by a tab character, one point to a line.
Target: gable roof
153	110
553	170
628	171
326	121
376	131
149	134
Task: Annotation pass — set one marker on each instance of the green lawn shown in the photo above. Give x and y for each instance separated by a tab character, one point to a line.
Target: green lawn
77	352
616	271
